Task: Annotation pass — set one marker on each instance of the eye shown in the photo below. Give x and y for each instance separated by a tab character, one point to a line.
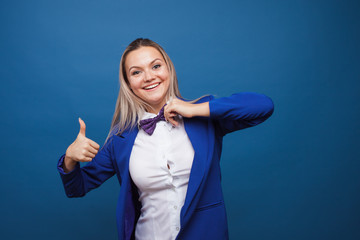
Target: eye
135	72
156	66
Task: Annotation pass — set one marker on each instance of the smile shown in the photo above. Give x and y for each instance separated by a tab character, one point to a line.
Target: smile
152	86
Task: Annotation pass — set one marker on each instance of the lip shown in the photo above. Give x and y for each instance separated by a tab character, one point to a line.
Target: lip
151	89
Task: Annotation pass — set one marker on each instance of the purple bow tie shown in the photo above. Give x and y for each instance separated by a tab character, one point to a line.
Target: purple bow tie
148	125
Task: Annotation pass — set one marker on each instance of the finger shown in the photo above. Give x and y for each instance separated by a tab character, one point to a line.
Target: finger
90	155
172	115
92	150
86	159
173	121
166	112
94	144
82	127
169	112
88	150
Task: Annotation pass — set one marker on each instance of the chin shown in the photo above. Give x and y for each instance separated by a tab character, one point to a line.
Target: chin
156	99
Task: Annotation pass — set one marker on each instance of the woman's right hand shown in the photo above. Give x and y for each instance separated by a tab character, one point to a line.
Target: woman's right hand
82	149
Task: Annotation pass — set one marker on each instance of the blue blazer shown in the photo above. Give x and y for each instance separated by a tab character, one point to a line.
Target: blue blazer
203	215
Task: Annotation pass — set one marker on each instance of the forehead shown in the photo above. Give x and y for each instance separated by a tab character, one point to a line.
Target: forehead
142	56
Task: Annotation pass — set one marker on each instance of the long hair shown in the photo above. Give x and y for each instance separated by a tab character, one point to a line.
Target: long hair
129	107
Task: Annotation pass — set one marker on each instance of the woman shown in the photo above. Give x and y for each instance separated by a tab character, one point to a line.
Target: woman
167	164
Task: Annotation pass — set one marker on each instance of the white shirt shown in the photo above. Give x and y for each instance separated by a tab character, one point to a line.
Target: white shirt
160	167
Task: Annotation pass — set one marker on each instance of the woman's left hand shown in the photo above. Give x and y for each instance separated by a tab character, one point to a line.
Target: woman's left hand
178	107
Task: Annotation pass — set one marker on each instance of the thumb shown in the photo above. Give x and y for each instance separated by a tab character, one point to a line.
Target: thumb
82	127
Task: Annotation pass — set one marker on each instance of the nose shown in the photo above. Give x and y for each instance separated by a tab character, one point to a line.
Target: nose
149	76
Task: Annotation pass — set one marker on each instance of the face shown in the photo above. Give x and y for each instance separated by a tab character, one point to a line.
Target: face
148	76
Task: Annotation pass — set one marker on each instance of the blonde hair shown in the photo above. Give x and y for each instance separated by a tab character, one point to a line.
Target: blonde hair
129	107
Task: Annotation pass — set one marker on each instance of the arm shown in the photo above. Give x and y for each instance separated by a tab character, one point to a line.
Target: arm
78	181
81	180
185	109
239	111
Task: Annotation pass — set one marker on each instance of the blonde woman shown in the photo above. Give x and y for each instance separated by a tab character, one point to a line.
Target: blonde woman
165	151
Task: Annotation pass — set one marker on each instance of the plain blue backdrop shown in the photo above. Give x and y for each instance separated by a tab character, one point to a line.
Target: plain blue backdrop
296	176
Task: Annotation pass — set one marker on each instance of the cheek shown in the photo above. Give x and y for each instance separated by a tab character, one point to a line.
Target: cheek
134	83
165	76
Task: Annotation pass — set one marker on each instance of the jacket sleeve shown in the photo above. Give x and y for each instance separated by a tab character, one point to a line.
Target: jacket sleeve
240	110
83	179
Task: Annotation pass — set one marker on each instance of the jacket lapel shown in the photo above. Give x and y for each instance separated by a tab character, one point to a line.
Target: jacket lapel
123	146
199	136
128	198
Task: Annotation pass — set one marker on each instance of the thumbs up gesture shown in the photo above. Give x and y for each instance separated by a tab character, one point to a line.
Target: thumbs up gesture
82	149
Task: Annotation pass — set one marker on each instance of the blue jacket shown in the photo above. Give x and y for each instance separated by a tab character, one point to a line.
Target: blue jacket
203	215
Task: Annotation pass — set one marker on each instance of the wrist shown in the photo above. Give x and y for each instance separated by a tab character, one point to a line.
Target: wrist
201	110
68	164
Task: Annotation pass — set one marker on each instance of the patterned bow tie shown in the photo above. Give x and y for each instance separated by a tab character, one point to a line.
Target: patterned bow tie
148	125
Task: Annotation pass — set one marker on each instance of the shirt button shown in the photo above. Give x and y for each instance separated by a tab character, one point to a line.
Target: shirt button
177	228
175	207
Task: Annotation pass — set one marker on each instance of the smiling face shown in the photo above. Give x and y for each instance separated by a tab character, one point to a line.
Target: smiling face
148	76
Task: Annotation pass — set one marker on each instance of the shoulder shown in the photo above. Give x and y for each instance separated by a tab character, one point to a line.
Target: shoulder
205	98
202	99
247	98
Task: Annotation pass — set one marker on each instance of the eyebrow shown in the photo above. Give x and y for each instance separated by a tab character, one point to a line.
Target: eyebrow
149	64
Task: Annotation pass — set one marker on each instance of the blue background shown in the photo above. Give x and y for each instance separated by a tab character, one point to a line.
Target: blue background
295	176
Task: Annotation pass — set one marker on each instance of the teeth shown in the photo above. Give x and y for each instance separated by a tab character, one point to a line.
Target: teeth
152	86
